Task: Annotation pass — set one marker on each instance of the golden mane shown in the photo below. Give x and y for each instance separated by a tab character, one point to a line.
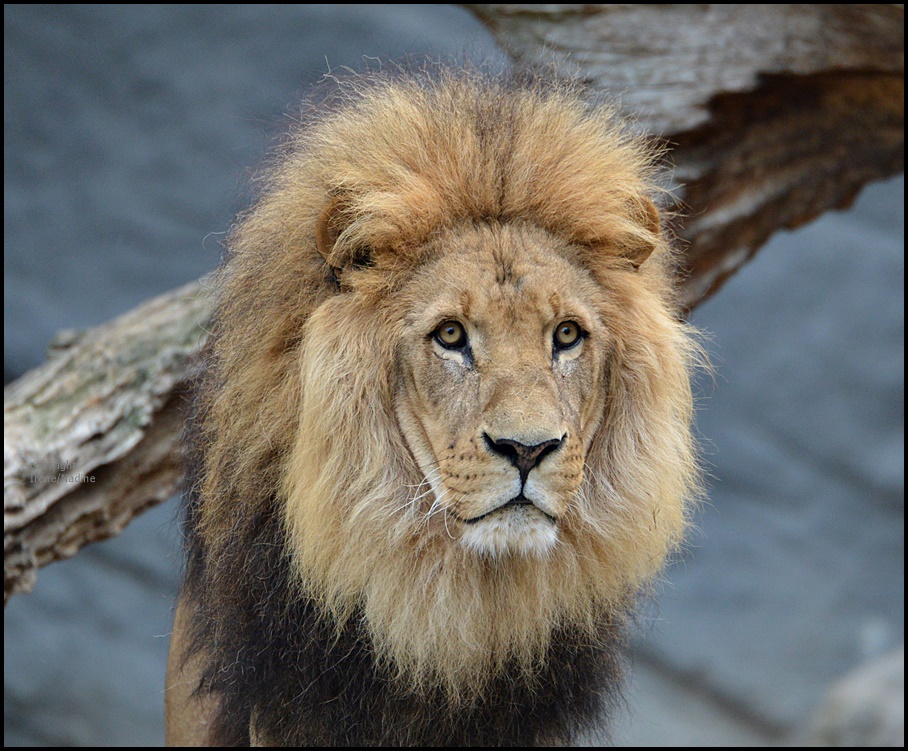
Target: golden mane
296	416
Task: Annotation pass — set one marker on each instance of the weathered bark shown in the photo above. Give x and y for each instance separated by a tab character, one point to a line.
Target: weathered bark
774	113
90	437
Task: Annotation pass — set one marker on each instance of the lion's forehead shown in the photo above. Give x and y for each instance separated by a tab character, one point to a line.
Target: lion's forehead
505	280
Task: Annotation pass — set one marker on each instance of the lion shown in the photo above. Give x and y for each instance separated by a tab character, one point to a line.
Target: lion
442	435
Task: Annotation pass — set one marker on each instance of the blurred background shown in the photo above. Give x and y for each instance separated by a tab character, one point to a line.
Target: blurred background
130	133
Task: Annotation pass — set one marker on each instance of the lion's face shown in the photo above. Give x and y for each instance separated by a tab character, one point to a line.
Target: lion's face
501	386
493	443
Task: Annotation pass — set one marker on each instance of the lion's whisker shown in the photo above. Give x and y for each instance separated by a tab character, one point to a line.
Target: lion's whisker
434	474
445	517
414	500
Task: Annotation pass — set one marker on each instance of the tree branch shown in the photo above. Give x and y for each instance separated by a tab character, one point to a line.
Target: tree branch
91	437
773	113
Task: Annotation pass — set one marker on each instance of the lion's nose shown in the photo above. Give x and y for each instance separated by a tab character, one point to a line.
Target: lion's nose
521	455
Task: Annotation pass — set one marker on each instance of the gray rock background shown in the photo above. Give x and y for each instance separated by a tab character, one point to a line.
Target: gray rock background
130	133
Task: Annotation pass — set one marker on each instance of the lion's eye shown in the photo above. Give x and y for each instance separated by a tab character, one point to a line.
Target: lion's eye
451	335
567	335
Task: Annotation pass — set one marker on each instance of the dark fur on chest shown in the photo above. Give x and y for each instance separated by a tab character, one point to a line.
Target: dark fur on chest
278	662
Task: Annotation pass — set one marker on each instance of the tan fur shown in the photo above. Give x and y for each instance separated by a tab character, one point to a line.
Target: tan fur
510	210
187	715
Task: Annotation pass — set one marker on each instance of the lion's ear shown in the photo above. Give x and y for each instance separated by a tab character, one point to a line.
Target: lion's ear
331	223
328	228
646	215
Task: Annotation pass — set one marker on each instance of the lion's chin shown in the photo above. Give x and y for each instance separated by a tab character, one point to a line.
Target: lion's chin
523	530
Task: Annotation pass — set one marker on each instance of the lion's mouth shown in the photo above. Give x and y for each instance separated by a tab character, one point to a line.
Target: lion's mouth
520	500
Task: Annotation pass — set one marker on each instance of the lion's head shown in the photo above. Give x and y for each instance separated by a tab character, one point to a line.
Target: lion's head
448	352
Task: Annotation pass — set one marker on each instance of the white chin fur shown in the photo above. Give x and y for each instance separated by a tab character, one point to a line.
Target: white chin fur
522	530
